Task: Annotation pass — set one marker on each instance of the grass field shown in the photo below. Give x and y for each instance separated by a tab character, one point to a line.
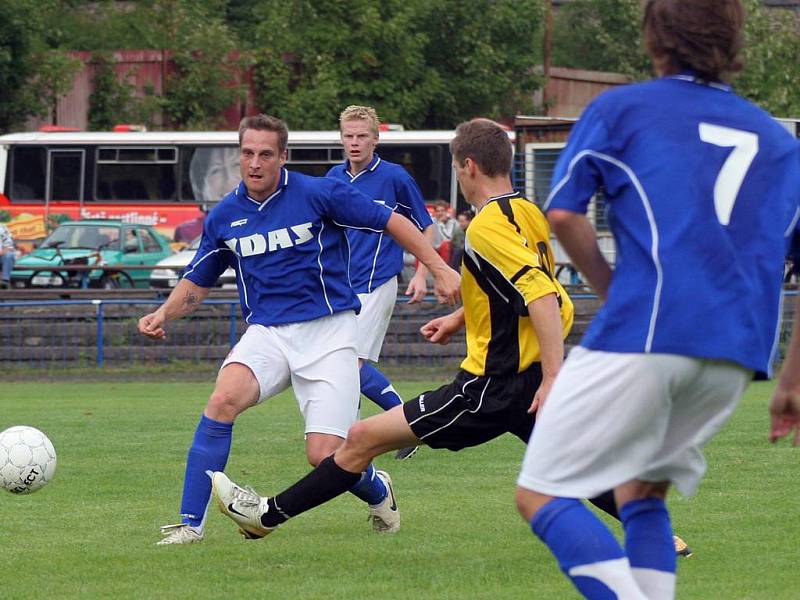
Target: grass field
121	450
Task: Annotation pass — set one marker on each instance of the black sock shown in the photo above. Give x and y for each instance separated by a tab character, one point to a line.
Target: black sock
324	483
606	502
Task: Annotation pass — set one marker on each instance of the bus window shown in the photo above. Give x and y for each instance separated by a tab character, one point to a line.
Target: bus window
66	174
28	173
428	165
213	172
314	161
136	174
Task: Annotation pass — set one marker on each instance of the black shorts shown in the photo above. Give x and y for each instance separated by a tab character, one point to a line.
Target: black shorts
472	410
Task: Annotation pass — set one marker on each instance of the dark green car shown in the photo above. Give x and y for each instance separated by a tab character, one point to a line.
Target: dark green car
80	245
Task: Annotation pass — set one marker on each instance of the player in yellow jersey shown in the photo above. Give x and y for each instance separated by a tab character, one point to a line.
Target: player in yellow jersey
516	316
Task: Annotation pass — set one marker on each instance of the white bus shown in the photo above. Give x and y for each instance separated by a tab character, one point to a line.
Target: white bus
166	179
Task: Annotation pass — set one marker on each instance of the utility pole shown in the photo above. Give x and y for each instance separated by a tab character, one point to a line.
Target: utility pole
546	54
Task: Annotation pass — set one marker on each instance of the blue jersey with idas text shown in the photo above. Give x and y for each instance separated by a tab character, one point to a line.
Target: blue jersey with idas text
703	191
376	257
290	251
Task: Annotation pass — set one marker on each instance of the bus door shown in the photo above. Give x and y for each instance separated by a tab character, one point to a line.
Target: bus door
65	175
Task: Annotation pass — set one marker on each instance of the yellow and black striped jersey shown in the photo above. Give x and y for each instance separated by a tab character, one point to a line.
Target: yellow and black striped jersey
507	264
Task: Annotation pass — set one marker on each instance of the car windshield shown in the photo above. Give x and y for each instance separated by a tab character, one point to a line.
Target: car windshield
82	236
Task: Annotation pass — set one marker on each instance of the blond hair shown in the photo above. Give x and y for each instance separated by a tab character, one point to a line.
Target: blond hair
355	112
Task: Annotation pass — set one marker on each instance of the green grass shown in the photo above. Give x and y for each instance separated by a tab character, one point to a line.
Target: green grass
121	449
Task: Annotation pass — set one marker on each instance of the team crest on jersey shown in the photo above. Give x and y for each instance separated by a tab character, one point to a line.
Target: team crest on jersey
277	239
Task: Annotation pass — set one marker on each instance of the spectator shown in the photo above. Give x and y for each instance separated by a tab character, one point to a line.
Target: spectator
7	255
445	228
457	242
793	272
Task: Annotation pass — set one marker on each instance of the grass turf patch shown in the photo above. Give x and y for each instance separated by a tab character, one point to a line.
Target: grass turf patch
121	451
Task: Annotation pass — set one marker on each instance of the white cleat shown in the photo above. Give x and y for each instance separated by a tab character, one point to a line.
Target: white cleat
384	516
181	533
242	505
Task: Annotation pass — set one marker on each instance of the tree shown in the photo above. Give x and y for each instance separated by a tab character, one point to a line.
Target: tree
772	60
202	84
601	35
112	99
423	63
51	80
20	33
314	58
482	55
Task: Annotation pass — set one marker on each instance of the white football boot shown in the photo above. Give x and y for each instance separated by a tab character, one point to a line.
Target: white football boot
180	533
242	505
384	516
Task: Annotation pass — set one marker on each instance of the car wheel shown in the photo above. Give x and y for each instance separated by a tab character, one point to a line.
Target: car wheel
109	283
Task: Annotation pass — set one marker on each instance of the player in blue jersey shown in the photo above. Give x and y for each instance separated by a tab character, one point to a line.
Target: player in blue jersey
784	407
703	190
284	234
375	258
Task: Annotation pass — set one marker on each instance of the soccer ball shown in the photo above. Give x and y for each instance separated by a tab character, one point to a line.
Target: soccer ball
27	459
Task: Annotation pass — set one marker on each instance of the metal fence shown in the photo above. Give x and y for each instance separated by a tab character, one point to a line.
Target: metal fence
102	332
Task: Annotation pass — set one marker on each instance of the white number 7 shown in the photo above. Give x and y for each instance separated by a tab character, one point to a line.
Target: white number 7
731	175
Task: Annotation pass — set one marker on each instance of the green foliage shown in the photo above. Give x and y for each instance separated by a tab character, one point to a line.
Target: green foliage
604	35
600	35
21	28
111	96
423	63
51	80
772	60
201	87
482	55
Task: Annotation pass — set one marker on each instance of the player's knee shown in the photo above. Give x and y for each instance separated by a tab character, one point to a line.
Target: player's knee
523	503
317	455
529	502
360	439
638	490
224	405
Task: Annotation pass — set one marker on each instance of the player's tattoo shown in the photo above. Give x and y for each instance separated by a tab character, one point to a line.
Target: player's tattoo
190	302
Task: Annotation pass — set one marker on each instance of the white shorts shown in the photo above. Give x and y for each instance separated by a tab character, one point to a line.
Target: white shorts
373	320
317	357
613	417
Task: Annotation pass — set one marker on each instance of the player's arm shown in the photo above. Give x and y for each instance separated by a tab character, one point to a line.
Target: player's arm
545	316
441	329
785	404
418	286
577	236
185	298
446	280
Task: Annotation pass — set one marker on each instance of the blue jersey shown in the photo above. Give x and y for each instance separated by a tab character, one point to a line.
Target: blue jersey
703	190
375	257
290	251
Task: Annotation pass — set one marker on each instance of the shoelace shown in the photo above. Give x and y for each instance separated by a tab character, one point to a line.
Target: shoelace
246	496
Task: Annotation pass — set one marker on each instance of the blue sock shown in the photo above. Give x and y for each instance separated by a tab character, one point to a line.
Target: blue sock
370	488
649	545
585	549
377	388
209	452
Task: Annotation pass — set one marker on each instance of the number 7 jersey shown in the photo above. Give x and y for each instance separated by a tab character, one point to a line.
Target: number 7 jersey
703	193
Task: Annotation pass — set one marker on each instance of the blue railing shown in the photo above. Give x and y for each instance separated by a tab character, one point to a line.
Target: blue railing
85	332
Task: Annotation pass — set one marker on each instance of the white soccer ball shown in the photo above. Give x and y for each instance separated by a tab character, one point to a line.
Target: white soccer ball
27	459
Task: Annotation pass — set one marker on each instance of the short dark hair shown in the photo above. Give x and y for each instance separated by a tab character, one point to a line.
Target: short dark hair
264	122
486	143
703	35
